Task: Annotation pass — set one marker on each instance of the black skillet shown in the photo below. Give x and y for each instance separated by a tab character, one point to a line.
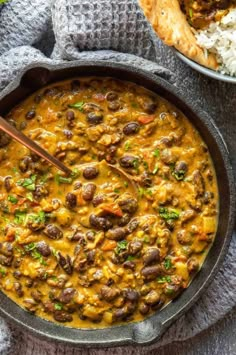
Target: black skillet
151	329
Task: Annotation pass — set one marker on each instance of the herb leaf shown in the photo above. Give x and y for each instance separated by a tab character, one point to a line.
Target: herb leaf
28	183
77	105
12	199
122	245
167	263
156	153
163	279
168	214
20	217
58	306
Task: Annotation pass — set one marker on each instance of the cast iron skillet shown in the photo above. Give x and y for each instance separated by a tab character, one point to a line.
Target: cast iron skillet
152	328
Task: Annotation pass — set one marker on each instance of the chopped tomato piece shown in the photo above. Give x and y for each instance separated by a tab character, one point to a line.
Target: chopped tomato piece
113	208
146	119
108	245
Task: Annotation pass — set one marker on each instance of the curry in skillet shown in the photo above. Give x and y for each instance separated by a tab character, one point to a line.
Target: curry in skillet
91	249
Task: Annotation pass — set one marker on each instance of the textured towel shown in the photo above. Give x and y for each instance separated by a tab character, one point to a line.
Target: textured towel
41	31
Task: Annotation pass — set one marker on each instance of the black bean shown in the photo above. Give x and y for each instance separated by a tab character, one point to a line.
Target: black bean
35	224
6	249
91	107
37	295
8	183
70	115
117	233
4	139
66	295
120	313
149	107
18	289
124	220
71	200
90	235
193	265
184	237
53	231
34	157
129	161
62	316
152	298
113	105
17	274
29	283
145	179
112	150
90	172
94	118
151	255
40	191
133	224
78	236
65	263
68	133
111	96
131	128
6	260
97	200
181	166
134	247
77	185
129	205
43	248
91	256
25	164
109	293
187	215
199	182
144	309
131	295
100	223
167	157
129	265
30	115
151	272
88	191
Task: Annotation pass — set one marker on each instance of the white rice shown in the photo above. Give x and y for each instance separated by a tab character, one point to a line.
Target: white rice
220	38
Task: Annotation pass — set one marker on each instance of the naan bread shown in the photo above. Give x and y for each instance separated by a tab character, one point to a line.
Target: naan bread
172	27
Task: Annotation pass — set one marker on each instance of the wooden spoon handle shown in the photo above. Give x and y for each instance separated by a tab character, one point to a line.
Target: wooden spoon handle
29	143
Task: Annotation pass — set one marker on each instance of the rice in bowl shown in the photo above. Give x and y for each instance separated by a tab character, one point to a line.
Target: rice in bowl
220	38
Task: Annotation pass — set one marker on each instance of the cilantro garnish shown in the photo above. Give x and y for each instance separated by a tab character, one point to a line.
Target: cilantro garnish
28	183
168	214
12	199
163	279
121	246
167	263
77	105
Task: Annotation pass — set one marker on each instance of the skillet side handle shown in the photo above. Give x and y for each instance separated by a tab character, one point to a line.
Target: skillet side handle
148	331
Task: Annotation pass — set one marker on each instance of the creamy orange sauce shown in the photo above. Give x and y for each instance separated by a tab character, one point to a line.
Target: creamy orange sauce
93	249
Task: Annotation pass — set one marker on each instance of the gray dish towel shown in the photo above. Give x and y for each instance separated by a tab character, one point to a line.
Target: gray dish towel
33	31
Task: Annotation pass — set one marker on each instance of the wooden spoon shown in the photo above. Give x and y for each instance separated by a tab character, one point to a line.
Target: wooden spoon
30	144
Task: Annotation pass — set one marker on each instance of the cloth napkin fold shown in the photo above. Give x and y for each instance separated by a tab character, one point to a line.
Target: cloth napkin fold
45	31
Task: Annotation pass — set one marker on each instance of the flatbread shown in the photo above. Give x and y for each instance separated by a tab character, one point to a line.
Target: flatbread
171	25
